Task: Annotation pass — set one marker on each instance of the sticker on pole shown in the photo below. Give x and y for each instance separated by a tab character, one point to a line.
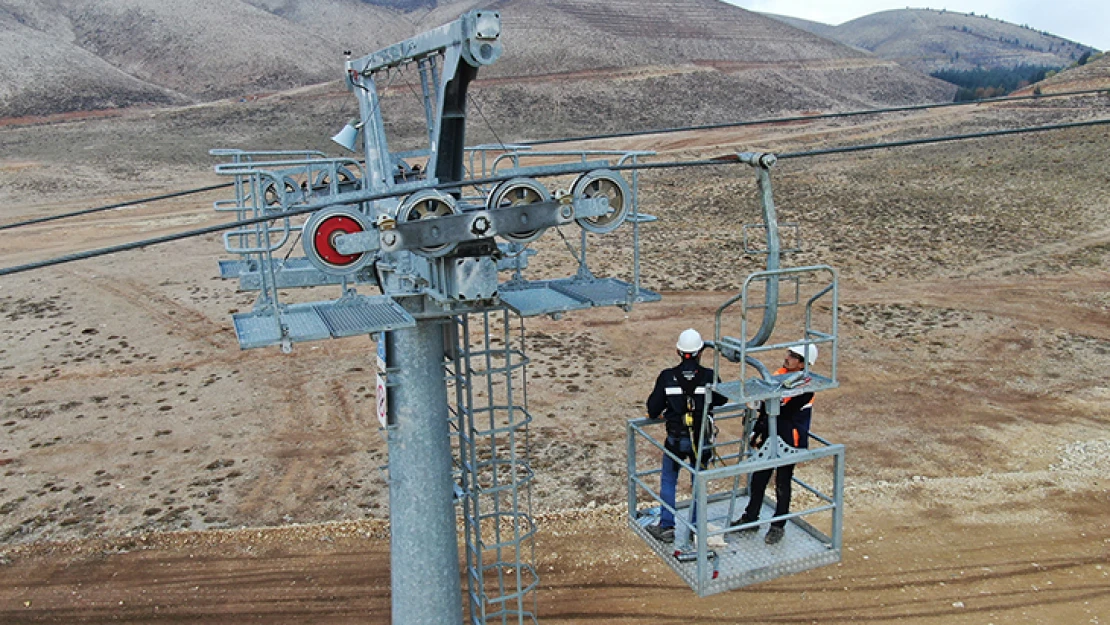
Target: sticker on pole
383	401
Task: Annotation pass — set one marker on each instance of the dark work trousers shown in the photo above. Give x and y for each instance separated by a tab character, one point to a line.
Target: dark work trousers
783	481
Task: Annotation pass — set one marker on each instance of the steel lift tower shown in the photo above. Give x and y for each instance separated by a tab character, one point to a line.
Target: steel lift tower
416	227
431	230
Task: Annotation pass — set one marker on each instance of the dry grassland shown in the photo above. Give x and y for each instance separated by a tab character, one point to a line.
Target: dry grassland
153	472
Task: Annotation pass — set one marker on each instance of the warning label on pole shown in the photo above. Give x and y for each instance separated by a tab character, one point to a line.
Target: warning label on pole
383	401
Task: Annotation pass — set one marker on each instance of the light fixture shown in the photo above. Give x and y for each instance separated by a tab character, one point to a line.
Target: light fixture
348	137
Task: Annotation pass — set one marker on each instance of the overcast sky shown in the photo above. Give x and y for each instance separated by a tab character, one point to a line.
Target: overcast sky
1082	21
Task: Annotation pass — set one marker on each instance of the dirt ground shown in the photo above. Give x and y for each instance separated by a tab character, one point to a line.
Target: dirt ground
155	473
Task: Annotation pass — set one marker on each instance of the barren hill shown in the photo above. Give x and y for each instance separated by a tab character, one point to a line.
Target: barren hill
929	40
609	61
817	28
41	72
1092	75
154	473
974	289
201	49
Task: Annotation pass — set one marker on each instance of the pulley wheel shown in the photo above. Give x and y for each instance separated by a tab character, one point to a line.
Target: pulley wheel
319	240
428	204
607	184
517	192
342	175
275	195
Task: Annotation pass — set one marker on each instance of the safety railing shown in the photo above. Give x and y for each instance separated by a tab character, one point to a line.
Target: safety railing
710	552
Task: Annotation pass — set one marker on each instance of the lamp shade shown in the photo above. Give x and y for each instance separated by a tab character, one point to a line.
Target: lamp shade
348	137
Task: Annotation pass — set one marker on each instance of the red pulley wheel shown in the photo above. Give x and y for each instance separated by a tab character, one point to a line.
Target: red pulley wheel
324	239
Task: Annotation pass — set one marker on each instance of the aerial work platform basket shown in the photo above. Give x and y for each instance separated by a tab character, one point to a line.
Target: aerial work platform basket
730	557
713	552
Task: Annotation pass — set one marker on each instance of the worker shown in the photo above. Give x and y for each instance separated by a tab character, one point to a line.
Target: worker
793	429
679	398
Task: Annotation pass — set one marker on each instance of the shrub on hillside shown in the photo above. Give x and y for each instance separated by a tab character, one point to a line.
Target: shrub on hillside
979	83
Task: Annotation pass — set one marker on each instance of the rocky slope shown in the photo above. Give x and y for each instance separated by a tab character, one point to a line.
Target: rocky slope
929	40
124	52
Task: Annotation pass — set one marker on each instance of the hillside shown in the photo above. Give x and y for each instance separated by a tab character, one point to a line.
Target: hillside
154	473
79	80
817	28
200	50
1093	75
651	56
929	40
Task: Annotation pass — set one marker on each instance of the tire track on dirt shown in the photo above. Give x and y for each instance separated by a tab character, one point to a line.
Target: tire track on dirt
193	324
293	461
320	424
1012	261
1041	303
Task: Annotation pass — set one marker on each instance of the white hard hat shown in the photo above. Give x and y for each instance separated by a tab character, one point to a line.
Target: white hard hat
690	341
809	355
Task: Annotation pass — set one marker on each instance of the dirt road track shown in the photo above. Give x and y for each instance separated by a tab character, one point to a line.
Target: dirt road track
896	569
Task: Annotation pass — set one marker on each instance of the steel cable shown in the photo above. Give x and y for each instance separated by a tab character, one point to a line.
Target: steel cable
89	211
797	118
367	197
776	120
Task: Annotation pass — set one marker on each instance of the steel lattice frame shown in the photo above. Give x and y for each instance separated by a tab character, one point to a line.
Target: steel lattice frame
491	420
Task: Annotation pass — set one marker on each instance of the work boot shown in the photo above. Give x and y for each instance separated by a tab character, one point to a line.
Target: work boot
742	520
774	535
662	534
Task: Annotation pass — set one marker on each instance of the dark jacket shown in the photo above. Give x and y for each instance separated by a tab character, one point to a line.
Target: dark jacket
678	390
793	422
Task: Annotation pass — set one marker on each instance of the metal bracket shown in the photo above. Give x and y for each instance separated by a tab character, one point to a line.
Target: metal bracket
479	224
358	242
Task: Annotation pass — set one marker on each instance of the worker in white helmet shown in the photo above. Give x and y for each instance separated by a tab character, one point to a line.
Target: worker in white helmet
679	397
793	429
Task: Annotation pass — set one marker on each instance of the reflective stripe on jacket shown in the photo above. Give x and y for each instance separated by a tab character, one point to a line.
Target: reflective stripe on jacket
668	398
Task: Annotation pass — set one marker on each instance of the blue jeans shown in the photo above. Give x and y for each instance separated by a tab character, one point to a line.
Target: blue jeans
684	449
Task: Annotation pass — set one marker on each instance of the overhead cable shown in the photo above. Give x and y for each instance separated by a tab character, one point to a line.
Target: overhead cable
798	118
638	133
89	211
945	139
355	197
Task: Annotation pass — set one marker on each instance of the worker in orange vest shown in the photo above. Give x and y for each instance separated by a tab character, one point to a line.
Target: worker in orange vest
793	429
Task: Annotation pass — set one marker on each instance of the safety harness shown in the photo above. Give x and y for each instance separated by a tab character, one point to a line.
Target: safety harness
689	390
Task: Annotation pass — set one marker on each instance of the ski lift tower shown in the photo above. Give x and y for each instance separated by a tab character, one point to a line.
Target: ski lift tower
416	228
422	228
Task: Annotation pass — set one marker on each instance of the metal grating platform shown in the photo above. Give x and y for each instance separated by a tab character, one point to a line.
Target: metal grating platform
758	390
529	299
602	292
539	300
352	316
262	329
744	559
297	323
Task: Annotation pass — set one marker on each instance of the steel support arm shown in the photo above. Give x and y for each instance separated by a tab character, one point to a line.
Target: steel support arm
477	32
